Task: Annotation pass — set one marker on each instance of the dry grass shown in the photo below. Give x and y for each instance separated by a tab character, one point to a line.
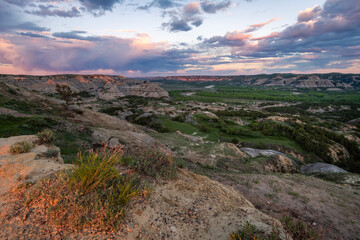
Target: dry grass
92	195
151	162
21	147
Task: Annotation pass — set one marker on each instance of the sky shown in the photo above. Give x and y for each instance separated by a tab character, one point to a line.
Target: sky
138	38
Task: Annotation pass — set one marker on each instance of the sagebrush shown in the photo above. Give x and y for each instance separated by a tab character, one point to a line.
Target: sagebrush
21	147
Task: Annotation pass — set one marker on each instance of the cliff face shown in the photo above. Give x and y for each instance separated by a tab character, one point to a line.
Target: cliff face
331	80
102	86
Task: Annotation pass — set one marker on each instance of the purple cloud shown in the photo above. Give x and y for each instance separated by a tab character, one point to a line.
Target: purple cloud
99	7
188	18
76	35
213	7
116	54
49	10
162	4
327	32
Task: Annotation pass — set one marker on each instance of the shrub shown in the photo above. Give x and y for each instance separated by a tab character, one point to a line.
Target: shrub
298	230
204	128
250	232
21	147
151	162
45	136
65	93
51	153
92	194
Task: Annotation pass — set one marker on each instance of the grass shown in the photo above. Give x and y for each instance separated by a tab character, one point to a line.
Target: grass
51	153
21	147
298	229
93	194
17	105
67	139
250	232
15	126
151	162
174	126
294	194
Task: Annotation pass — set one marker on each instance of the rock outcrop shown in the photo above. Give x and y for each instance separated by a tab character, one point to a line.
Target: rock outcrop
15	168
279	164
102	86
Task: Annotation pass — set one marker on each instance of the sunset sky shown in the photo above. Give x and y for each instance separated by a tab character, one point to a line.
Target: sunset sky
174	37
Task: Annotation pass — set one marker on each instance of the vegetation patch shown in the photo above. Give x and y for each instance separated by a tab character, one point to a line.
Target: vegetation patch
21	147
93	194
250	232
45	136
151	162
298	229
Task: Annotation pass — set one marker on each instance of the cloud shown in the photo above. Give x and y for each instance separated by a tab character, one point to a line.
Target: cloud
231	39
76	35
162	4
96	7
255	27
188	18
51	11
213	7
109	53
322	38
99	7
11	21
327	32
309	14
34	35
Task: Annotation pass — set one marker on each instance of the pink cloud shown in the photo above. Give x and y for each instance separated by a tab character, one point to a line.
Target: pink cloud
309	14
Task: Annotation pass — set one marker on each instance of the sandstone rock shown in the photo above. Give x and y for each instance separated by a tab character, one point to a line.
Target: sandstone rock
30	166
279	164
103	136
338	152
200	208
191	138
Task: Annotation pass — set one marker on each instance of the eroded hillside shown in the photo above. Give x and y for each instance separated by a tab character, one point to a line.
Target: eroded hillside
256	150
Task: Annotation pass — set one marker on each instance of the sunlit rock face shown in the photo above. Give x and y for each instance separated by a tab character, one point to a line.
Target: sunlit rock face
101	86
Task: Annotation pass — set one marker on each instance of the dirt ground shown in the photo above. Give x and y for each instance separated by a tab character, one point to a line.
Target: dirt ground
190	207
331	208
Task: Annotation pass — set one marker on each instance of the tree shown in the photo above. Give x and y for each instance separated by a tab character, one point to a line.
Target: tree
65	93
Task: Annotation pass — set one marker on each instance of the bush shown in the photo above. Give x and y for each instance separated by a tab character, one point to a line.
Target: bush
92	194
51	153
298	230
21	147
151	162
45	136
250	232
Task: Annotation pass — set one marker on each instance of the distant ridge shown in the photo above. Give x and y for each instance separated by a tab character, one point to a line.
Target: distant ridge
329	80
